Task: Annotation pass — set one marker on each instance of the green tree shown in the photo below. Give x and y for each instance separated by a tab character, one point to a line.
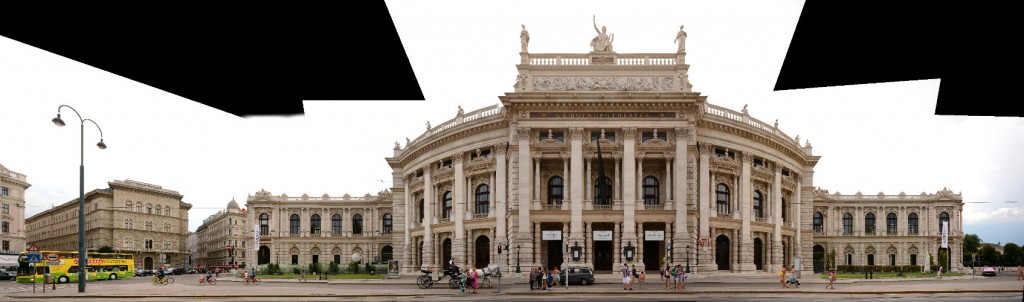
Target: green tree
1012	254
943	260
830	261
970	246
988	255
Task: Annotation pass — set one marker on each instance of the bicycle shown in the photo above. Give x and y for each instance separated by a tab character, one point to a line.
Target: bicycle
254	281
213	281
165	281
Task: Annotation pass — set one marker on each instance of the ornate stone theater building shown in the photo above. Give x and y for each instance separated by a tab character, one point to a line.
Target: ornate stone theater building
602	159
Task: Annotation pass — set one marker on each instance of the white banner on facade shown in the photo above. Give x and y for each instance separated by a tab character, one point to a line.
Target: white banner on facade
654	235
945	234
602	235
551	235
256	237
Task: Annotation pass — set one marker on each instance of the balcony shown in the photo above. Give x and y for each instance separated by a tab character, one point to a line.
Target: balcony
552	207
761	219
337	234
847	232
293	234
654	207
479	215
602	207
891	233
817	229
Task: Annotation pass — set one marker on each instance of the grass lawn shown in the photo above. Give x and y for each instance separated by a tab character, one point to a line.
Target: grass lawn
888	275
314	276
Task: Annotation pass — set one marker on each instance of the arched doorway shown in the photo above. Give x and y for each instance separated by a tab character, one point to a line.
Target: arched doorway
446	253
386	254
148	263
722	252
758	254
819	259
483	252
264	256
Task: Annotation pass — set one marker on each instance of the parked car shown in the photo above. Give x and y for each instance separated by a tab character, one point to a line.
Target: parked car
988	271
143	272
4	275
578	275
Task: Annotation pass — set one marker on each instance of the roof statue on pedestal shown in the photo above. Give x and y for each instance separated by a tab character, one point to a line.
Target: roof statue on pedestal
602	42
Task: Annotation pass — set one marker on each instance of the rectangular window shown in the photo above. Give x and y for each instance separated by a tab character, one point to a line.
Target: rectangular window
6	227
6	191
892	259
7	245
871	259
849	259
7	209
913	259
337	258
316	258
295	259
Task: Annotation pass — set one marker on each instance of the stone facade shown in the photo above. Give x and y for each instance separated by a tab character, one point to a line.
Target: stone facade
303	230
684	181
12	216
224	238
129	216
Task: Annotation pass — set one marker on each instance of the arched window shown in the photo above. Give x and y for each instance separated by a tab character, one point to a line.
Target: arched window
127	205
357	224
314	224
603	191
758	209
650	191
869	224
159	209
819	225
447	213
149	208
336	225
167	211
138	207
483	199
294	224
890	224
387	225
847	224
722	198
912	224
264	224
555	193
943	217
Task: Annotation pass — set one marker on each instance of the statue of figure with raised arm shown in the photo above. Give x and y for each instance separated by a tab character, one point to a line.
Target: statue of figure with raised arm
681	38
603	41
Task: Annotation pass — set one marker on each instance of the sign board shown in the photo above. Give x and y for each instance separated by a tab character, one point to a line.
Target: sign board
602	235
34	258
945	234
551	235
229	247
32	248
256	235
52	257
393	269
54	262
654	235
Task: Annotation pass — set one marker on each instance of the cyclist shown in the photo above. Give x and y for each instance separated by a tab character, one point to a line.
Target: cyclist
209	275
252	276
302	276
161	274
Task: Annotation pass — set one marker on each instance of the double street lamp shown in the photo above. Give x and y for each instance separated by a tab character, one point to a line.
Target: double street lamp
82	260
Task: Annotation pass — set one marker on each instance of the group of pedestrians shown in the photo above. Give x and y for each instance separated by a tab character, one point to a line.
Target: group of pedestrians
787	277
674	274
543	279
631	276
468	278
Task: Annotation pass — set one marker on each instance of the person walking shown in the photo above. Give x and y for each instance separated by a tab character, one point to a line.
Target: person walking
633	276
474	276
556	275
1020	272
938	273
540	278
782	277
792	277
533	277
677	276
625	277
831	279
666	273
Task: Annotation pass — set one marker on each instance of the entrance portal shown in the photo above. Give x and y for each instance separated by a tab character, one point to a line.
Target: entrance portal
264	256
483	249
722	252
758	254
446	253
653	252
554	254
819	259
148	263
603	259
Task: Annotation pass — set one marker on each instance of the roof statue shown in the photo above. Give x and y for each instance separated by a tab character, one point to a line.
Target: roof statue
524	38
602	42
681	39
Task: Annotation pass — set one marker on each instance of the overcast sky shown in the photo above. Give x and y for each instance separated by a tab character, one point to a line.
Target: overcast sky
879	137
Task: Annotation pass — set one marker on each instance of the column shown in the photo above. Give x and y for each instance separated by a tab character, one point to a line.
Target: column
536	178
537	240
798	222
617	248
576	166
565	181
406	234
499	192
490	190
588	234
639	257
587	183
459	208
525	236
777	202
746	241
704	205
640	179
668	184
428	218
617	194
629	186
681	237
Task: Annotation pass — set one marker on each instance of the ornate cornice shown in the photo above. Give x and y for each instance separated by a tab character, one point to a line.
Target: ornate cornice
629	132
706	149
500	149
523	132
576	133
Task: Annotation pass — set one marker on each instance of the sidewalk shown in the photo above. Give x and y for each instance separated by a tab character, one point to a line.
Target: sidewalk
606	285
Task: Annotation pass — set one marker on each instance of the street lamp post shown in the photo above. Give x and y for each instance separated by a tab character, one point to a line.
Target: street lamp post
688	258
82	260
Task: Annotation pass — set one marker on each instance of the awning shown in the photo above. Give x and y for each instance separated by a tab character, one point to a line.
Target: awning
8	260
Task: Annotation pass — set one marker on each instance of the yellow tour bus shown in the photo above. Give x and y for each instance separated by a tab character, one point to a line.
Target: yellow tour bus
63	266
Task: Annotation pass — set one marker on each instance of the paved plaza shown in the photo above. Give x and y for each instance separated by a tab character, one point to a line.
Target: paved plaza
186	287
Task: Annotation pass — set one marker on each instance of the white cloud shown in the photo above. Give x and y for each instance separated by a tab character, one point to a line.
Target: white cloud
1001	215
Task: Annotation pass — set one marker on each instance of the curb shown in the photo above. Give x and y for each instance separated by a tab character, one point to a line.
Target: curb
508	293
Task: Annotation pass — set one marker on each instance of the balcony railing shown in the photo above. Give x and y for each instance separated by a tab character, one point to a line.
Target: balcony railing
848	232
314	234
818	229
293	234
552	207
912	232
479	215
357	234
891	233
602	207
761	219
654	207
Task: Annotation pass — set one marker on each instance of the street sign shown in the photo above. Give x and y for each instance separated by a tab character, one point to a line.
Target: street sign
52	257
34	258
32	248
